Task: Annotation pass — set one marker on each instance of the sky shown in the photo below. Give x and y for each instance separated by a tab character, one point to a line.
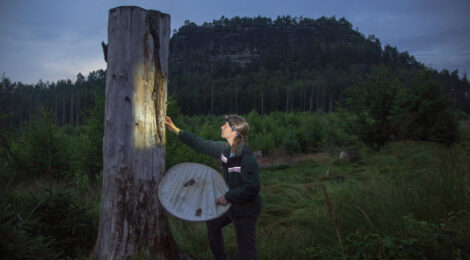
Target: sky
56	39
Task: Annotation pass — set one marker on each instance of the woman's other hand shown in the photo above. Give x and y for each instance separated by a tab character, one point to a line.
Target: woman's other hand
221	200
171	126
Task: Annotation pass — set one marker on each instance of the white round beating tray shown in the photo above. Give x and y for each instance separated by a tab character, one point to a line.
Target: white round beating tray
188	191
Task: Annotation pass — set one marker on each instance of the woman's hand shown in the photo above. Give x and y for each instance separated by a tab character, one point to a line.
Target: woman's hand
221	200
170	126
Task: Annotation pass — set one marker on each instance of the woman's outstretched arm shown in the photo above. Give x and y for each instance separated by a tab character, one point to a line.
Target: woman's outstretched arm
211	148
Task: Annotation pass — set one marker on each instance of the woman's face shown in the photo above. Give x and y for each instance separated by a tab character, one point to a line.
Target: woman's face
227	131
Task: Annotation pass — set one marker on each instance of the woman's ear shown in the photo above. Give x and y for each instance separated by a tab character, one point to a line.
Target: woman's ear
234	134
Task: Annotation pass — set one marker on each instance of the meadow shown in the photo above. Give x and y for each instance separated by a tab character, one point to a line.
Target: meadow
409	201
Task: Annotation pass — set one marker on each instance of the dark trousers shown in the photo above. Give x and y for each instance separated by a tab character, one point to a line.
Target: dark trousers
245	227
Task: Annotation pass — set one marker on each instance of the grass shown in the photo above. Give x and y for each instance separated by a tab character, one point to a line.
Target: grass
411	200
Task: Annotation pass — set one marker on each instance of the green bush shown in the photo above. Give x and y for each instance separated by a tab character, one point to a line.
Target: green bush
311	132
209	131
430	114
262	141
58	217
42	148
16	238
297	132
290	143
256	122
337	135
375	101
88	149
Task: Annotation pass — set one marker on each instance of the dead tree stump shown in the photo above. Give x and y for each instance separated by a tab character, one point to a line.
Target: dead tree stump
132	219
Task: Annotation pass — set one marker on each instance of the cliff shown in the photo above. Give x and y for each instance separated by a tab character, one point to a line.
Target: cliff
248	43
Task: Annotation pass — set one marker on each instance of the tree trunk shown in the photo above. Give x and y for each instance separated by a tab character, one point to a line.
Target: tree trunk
132	219
305	99
71	109
310	105
262	101
77	110
318	97
287	99
236	101
63	111
212	98
56	113
331	103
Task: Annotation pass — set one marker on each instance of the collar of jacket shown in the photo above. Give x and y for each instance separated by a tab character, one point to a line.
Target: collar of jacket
228	149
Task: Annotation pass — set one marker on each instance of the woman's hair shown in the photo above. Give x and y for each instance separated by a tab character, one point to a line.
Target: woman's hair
242	127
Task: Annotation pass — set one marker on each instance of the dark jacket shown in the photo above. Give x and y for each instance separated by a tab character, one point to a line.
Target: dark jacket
244	185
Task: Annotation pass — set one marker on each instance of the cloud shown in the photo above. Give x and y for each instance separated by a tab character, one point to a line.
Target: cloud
448	49
56	39
48	60
49	40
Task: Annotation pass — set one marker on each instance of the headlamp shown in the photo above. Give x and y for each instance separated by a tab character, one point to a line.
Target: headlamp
227	118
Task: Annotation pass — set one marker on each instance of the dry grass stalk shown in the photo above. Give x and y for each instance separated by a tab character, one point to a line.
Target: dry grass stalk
334	219
382	249
366	217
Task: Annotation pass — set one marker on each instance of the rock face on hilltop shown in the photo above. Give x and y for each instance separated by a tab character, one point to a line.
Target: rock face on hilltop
233	45
289	64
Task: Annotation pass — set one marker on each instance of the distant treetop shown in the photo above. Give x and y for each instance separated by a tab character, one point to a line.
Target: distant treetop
285	20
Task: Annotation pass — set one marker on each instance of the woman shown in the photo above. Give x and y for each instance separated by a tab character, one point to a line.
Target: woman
240	171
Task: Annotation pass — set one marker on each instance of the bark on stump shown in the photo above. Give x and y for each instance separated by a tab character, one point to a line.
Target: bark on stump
132	219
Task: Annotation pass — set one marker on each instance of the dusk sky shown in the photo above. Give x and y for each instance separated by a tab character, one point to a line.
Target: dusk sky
57	39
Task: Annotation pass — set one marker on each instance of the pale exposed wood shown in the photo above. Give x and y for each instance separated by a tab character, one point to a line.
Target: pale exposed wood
189	190
131	217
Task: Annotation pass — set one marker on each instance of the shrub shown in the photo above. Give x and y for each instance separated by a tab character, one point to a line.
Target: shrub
42	147
430	114
262	141
209	131
311	132
16	243
16	238
375	102
57	216
255	121
88	151
336	131
290	143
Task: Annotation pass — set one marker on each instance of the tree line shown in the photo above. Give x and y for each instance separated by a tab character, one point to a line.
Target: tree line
263	91
293	91
67	100
265	21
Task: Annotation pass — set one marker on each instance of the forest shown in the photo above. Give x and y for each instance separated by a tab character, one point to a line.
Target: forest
406	195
